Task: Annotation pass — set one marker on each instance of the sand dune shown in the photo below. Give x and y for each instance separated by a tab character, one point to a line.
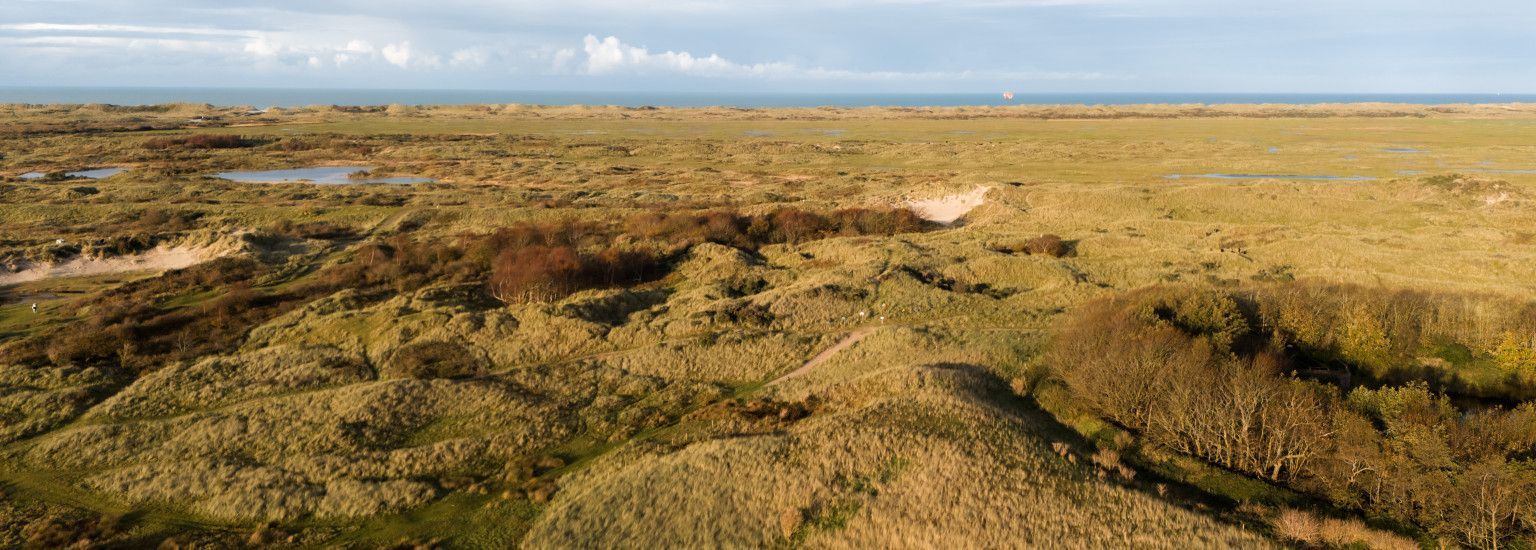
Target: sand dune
951	208
159	259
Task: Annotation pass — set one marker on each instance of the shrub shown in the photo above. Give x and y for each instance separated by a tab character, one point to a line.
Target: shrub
199	141
162	220
785	225
313	230
1049	245
434	359
1298	526
535	273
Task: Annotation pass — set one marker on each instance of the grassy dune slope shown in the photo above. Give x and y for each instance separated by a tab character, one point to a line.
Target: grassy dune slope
643	414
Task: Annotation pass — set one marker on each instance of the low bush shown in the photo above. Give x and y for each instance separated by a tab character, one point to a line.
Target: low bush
312	230
200	141
786	225
434	359
1047	245
543	273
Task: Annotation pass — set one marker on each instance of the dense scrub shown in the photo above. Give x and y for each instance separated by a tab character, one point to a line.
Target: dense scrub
434	359
135	327
140	326
1463	344
200	141
785	225
1215	375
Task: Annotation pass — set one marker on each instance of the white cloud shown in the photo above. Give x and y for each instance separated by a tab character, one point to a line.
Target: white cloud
471	58
116	42
136	29
611	56
561	59
384	45
398	54
357	46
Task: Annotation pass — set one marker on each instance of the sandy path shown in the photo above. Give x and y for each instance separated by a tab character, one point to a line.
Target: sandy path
946	210
826	354
159	259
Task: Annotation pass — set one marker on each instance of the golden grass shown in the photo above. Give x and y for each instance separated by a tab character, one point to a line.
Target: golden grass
611	398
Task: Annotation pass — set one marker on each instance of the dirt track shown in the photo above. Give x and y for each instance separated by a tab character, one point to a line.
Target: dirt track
826	354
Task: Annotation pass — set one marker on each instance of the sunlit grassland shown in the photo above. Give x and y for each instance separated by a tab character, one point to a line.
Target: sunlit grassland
1062	150
654	411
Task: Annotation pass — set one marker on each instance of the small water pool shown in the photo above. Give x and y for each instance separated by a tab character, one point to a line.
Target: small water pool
1404	150
94	173
1269	177
323	175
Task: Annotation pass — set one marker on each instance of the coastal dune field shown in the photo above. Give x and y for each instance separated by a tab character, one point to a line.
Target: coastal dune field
879	327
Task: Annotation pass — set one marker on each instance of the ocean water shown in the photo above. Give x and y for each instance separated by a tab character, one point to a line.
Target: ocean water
294	97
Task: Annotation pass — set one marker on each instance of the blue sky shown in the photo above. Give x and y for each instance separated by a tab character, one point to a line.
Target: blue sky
778	45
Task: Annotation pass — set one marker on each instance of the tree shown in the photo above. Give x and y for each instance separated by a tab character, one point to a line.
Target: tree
535	273
1485	509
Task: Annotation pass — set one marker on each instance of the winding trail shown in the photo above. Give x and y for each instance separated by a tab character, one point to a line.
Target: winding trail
826	354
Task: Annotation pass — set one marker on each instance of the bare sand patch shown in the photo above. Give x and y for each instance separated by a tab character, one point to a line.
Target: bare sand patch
162	258
951	208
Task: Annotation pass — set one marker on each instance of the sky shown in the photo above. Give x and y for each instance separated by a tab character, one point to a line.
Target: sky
1375	46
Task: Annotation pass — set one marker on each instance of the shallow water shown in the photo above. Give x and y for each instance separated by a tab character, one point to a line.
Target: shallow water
1496	171
95	173
1409	150
1268	177
323	175
758	133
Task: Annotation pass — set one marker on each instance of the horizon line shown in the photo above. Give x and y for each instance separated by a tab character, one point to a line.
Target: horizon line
742	92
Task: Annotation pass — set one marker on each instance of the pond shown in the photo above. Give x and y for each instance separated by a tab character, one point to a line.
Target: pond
1406	150
1269	177
94	173
323	175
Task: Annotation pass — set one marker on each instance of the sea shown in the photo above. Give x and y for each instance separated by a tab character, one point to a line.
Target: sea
298	97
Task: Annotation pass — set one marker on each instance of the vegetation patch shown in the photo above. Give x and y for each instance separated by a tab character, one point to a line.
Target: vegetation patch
1196	370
